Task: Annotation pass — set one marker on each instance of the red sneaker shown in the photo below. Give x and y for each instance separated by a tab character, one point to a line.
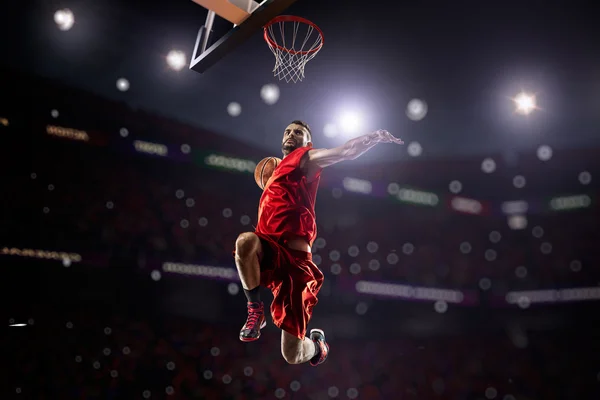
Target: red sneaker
255	322
318	336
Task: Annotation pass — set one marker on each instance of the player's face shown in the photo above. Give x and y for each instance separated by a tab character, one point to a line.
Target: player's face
294	136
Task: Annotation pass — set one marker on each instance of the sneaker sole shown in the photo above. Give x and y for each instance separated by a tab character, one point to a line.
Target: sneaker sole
244	339
326	344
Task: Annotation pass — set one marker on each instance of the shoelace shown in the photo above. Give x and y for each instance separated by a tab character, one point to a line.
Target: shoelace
253	317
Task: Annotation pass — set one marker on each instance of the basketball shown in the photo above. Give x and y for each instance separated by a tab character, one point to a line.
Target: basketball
264	170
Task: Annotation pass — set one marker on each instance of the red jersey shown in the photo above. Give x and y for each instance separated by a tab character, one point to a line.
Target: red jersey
287	205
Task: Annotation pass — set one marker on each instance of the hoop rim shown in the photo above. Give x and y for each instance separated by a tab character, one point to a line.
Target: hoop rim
292	18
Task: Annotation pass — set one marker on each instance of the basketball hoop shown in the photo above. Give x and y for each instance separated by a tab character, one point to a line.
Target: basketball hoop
294	41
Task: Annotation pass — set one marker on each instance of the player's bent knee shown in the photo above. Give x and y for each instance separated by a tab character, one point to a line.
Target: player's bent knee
291	348
247	244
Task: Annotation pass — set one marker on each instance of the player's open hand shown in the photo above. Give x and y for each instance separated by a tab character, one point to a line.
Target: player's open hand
382	136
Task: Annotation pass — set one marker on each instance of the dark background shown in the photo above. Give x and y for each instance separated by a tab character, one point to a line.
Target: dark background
125	214
466	59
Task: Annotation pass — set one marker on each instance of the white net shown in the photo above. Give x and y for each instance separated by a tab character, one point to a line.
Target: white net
293	43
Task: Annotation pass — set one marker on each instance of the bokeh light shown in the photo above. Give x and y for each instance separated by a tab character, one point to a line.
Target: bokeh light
488	165
234	109
585	178
521	272
455	187
519	181
269	93
414	149
416	109
544	153
440	306
122	84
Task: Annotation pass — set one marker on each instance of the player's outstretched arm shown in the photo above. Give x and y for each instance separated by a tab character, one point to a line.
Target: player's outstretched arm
350	150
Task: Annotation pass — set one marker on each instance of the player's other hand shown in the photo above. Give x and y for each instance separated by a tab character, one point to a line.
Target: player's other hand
382	136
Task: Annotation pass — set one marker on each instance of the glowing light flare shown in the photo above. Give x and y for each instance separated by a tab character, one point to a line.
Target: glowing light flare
64	19
176	60
525	103
350	122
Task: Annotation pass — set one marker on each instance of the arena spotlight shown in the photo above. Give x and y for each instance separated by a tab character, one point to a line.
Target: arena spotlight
350	122
525	103
64	19
176	60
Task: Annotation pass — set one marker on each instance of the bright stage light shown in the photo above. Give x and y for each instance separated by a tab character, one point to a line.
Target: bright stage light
525	103
176	60
64	19
350	122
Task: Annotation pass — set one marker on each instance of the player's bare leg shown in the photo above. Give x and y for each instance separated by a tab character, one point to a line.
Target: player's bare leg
248	252
314	348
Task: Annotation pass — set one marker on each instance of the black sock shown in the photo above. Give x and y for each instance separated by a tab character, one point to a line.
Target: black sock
253	295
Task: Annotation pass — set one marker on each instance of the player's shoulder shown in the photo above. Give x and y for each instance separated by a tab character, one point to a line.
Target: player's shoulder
312	152
310	169
308	155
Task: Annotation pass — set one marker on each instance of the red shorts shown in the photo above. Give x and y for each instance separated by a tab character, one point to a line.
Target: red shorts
294	281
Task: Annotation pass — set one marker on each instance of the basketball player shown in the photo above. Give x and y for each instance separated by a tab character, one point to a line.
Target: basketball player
278	254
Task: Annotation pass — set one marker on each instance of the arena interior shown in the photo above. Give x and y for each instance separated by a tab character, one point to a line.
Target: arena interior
454	275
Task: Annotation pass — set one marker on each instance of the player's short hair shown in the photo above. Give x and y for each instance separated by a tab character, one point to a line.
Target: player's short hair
304	125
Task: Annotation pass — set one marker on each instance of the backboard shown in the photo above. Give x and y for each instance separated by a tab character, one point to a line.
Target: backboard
247	17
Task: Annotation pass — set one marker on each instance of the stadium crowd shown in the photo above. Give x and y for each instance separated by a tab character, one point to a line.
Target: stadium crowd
109	206
93	203
91	355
